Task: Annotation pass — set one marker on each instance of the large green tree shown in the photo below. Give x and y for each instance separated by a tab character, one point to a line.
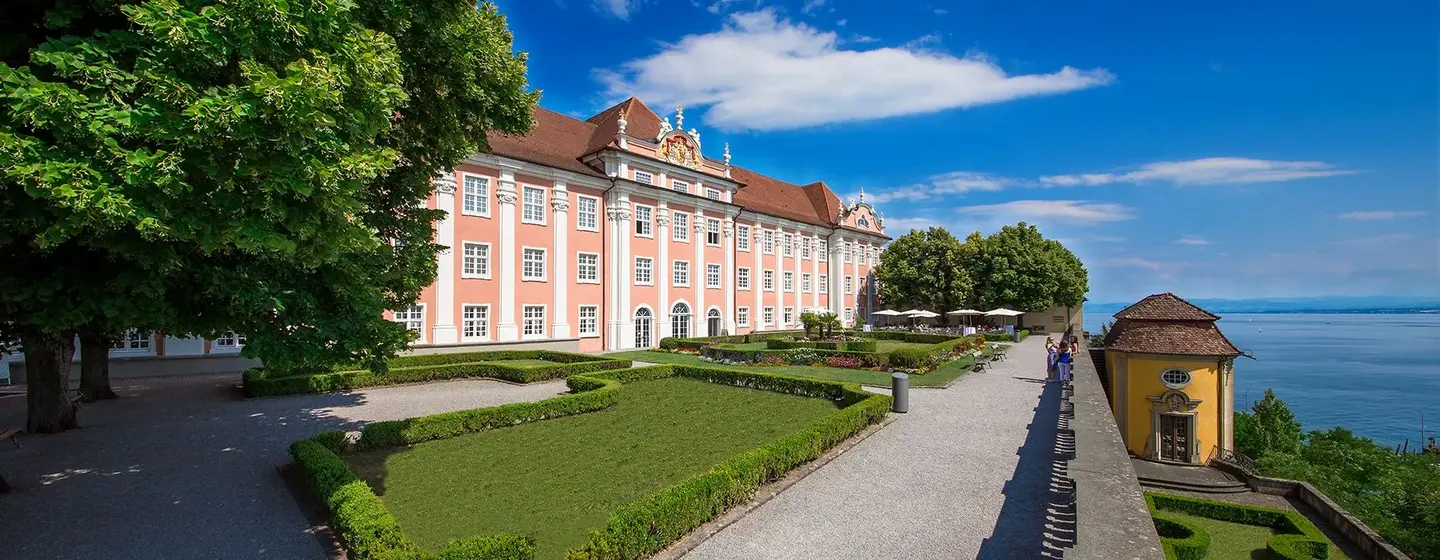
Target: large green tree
925	269
1018	268
255	165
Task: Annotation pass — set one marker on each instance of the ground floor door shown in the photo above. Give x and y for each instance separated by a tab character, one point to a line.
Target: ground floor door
712	323
1174	438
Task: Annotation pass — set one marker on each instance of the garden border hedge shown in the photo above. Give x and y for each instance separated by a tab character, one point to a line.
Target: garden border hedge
865	360
430	367
862	345
638	529
1297	538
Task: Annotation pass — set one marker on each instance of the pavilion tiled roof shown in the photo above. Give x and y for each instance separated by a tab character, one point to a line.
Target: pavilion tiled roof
560	141
1166	324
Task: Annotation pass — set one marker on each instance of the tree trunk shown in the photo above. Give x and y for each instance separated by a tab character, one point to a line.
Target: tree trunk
47	381
95	367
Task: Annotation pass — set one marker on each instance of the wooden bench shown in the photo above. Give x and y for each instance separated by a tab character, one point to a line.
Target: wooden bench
10	435
981	361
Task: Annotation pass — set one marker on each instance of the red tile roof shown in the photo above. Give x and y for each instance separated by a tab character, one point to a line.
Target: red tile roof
1166	306
1191	338
560	141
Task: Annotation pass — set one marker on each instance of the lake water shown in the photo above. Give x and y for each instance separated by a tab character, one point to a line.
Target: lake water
1374	374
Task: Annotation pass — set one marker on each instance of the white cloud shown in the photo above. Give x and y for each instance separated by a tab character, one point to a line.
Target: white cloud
941	11
895	226
954	182
1192	240
811	6
862	39
1378	240
1206	171
923	42
841	22
1079	212
763	72
1137	262
1372	215
618	8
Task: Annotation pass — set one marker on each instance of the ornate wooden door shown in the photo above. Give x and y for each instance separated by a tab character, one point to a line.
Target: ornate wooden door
1174	438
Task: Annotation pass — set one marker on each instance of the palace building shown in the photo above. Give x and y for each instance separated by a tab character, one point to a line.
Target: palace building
618	230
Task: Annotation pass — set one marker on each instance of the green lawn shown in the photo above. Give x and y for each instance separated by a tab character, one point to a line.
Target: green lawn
559	478
939	377
1231	541
524	363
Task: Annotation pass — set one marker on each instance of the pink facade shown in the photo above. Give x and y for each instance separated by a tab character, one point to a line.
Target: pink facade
619	231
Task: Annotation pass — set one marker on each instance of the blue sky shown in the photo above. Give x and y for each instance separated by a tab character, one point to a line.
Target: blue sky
1218	149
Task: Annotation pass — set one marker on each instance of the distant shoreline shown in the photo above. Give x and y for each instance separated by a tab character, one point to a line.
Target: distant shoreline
1426	310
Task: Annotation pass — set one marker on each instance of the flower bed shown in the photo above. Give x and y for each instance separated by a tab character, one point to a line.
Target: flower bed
938	350
259	382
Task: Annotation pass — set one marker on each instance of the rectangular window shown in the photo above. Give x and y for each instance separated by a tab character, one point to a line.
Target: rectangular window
589	320
413	317
712	232
644	270
644	177
787	282
681	231
587	268
769	317
847	252
475	260
805	248
587	213
805	282
679	186
767	242
824	251
644	221
789	316
534	320
788	245
712	276
533	267
767	280
742	278
713	194
742	316
475	201
742	241
475	322
680	273
849	315
849	284
533	211
228	340
824	283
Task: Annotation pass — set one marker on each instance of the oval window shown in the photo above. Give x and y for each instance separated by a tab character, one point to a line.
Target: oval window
1175	378
864	223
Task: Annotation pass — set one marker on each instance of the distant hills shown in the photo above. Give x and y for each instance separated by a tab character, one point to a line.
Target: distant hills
1334	304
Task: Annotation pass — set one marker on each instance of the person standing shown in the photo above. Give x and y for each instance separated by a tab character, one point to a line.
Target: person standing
1052	351
1063	362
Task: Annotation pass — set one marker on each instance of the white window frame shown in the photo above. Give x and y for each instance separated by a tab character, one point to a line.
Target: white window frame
805	252
649	271
806	286
824	283
712	228
580	268
408	319
594	319
788	249
482	199
680	226
483	268
231	341
580	213
787	316
525	320
132	341
768	317
676	273
648	221
849	314
684	186
714	194
849	284
742	316
742	278
525	276
742	234
712	275
484	323
649	177
767	241
767	280
824	250
525	204
787	282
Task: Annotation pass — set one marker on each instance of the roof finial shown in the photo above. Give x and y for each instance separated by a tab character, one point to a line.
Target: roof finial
862	194
622	122
679	117
727	154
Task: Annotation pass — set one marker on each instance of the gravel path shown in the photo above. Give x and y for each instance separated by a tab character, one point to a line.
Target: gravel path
181	467
961	476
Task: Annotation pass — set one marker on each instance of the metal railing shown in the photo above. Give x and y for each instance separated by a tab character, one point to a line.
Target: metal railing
1230	457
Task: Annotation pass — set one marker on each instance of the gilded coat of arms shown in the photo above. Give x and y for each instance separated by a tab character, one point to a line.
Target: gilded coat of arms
677	150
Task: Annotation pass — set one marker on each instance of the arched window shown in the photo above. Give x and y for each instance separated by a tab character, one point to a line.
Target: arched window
644	326
680	321
1175	378
713	314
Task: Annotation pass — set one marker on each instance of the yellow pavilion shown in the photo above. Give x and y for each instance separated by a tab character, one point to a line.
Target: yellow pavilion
1171	380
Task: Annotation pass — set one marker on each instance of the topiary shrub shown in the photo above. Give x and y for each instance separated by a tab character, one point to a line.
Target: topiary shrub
908	358
1181	540
669	343
1296	547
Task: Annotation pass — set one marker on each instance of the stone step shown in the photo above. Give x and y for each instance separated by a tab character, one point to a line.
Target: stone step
1219	488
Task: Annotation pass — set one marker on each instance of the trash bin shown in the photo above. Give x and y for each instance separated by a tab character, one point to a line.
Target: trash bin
900	391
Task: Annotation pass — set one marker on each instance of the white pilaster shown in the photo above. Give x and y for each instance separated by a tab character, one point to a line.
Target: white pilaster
612	271
870	287
444	331
727	274
780	279
798	284
624	276
757	286
697	276
854	277
560	279
507	268
836	269
660	272
815	271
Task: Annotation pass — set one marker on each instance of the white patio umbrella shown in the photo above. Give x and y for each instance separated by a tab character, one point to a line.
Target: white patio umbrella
1002	312
925	314
966	312
887	313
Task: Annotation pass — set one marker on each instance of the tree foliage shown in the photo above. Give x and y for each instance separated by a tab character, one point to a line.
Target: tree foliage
1268	428
255	165
924	269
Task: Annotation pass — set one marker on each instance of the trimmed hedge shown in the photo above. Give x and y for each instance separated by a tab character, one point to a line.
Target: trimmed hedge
1297	538
863	345
1180	539
432	367
695	344
909	358
866	359
635	530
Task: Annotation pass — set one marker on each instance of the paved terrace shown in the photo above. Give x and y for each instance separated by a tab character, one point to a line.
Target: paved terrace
181	467
966	474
